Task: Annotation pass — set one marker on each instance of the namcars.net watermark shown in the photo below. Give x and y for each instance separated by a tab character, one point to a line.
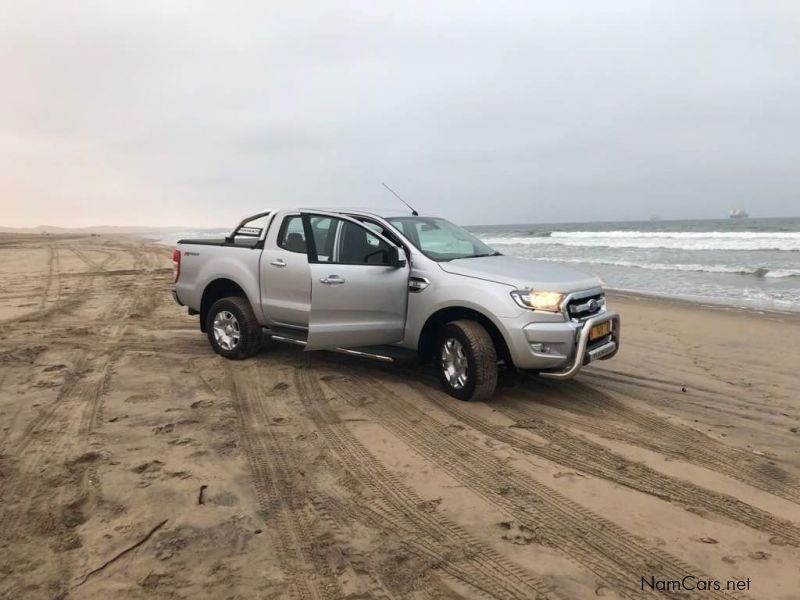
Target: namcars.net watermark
691	583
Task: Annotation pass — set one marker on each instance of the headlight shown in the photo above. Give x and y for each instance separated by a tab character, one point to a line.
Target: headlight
548	301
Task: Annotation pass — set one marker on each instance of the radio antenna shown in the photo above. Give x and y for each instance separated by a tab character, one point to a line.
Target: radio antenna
396	195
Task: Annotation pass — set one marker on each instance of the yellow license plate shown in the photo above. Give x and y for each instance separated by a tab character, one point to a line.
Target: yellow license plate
601	330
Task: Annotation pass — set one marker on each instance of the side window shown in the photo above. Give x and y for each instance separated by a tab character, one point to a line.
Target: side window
358	246
292	237
380	229
373	226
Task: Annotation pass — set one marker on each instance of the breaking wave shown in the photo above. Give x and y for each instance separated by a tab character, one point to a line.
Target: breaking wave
697	268
684	240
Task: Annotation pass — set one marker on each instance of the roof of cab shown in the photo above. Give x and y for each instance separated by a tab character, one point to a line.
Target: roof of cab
383	213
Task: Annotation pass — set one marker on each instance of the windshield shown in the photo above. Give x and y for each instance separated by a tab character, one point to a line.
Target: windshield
440	240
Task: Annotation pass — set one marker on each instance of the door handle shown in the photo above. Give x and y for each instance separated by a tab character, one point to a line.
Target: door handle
332	280
278	262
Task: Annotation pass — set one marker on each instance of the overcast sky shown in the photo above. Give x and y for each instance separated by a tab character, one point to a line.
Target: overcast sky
195	113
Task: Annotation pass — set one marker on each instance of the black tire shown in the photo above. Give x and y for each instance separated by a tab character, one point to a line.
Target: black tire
481	360
249	331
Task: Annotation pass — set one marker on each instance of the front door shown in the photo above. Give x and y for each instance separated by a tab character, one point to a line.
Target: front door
358	293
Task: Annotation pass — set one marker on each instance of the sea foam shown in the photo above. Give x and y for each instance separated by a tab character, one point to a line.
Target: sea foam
684	240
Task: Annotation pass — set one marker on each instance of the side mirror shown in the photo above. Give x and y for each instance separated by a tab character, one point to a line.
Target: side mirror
397	258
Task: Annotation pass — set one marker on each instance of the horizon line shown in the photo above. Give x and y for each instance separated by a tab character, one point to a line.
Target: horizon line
132	228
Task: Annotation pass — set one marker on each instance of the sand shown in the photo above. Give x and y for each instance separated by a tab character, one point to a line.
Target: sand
135	463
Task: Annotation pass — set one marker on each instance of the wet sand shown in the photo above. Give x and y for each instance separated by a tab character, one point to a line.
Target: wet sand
135	463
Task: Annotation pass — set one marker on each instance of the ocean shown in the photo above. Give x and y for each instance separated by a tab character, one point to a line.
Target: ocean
751	263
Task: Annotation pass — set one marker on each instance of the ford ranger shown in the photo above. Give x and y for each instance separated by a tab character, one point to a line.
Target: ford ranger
389	286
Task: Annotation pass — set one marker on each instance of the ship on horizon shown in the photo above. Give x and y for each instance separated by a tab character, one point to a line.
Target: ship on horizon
738	213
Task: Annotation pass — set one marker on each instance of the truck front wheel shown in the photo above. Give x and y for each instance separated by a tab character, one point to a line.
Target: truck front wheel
466	360
232	328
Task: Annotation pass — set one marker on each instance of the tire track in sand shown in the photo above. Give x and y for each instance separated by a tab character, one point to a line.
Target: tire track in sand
282	495
48	281
43	483
114	318
428	535
87	378
396	510
581	454
88	261
664	393
49	466
34	452
62	303
596	544
576	404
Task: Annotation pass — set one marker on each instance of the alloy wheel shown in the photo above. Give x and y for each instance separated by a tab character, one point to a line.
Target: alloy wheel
226	330
454	363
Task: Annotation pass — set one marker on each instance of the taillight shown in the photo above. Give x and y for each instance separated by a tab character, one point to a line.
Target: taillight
176	265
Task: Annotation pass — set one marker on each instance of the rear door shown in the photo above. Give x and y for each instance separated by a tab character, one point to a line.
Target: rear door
358	298
285	285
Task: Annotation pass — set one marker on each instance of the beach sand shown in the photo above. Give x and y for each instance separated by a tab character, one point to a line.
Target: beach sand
135	463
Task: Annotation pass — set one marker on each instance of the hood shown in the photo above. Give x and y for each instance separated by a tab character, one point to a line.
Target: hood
521	273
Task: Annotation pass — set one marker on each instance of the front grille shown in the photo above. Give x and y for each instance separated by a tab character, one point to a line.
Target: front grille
585	306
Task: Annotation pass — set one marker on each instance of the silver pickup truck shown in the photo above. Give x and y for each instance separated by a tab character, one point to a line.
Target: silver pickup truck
392	286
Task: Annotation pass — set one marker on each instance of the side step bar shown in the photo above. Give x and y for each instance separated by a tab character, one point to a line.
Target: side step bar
287	339
388	354
362	354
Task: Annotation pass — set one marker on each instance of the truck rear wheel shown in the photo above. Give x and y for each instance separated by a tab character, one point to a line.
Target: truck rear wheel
466	360
232	328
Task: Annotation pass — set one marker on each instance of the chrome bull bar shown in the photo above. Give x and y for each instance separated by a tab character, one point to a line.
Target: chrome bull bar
582	357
